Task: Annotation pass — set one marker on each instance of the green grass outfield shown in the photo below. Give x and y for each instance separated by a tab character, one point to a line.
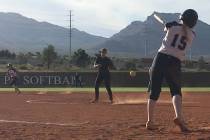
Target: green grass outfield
91	90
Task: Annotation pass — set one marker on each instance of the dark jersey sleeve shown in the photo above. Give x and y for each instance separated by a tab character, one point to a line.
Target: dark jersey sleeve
170	24
97	60
111	64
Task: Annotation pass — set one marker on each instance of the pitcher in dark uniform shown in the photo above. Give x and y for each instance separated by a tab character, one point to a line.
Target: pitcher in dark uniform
103	64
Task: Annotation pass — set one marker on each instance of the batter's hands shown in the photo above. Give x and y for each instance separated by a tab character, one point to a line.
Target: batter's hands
97	65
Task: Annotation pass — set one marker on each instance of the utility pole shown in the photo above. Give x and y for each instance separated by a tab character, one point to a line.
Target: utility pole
145	49
146	41
70	34
190	54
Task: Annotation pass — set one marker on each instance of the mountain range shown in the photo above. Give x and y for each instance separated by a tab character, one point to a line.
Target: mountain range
143	38
22	34
138	39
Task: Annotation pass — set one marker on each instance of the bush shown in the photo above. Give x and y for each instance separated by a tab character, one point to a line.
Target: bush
23	67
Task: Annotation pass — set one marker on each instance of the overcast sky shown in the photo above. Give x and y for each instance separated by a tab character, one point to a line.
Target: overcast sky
101	17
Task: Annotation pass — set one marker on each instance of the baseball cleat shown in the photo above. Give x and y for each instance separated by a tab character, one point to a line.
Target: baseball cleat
94	101
181	125
150	126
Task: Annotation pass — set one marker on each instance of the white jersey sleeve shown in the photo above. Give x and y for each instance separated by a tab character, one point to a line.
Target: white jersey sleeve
175	42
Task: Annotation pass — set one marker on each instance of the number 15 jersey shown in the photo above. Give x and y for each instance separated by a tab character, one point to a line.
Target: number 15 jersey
175	42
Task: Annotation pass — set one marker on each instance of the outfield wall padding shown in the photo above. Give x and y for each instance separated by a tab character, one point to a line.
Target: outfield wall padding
119	79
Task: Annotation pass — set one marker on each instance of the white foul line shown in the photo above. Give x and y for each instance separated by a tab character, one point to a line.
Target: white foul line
43	123
47	102
136	102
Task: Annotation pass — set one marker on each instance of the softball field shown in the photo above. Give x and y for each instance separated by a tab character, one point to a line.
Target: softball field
57	114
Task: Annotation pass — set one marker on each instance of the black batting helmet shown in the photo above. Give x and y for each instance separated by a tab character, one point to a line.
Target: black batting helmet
189	17
103	50
9	65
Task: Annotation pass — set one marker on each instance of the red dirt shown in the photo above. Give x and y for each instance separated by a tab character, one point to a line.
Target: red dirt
82	120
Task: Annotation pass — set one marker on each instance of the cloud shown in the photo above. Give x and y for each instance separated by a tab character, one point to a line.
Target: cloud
110	14
116	14
101	17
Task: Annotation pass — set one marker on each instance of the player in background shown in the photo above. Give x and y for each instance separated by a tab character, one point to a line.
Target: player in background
77	80
103	64
12	74
167	64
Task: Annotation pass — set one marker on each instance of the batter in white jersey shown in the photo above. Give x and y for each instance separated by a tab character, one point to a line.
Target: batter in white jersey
177	40
167	65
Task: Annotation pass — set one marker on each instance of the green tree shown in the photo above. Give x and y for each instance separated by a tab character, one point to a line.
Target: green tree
7	54
22	58
130	65
81	58
49	55
201	63
29	55
189	64
38	55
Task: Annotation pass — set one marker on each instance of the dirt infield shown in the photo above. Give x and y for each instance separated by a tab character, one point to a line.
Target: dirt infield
43	116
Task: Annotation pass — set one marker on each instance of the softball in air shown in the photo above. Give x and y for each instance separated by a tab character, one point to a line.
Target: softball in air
132	73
